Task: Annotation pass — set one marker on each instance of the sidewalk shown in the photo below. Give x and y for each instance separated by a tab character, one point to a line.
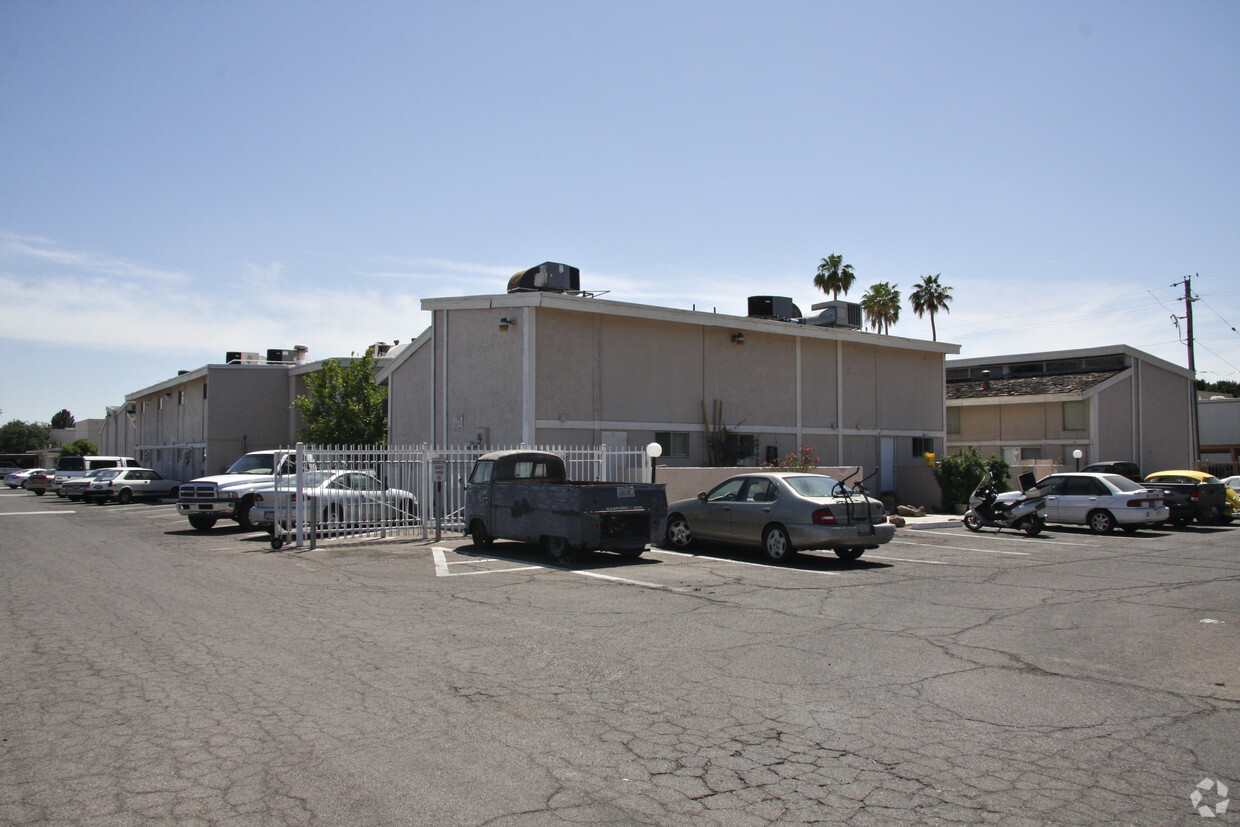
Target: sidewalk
932	521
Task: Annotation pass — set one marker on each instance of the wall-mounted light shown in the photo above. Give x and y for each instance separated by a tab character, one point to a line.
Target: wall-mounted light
505	322
738	338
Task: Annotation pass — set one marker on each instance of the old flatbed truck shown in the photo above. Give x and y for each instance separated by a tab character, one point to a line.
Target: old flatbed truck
527	496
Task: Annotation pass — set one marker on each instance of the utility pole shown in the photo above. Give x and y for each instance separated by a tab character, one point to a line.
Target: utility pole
1192	364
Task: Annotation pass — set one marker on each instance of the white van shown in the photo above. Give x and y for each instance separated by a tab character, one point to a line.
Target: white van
68	467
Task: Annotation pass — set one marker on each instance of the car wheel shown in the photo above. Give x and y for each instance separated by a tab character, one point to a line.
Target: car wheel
39	492
776	545
678	534
1101	522
560	550
243	514
202	522
124	496
478	532
972	522
1033	526
175	492
631	553
1130	529
849	553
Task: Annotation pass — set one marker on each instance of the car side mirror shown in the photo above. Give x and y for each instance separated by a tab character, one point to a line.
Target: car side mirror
701	496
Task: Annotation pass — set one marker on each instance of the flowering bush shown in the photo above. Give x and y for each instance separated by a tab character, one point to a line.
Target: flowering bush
802	460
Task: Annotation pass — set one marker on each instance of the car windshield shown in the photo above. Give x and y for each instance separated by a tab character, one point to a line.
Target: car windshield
1122	483
812	485
252	464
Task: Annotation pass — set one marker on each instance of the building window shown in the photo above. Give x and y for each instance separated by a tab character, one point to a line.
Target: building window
953	420
673	443
180	397
922	445
1074	416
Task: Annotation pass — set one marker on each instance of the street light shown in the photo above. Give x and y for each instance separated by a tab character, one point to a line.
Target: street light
654	450
1077	454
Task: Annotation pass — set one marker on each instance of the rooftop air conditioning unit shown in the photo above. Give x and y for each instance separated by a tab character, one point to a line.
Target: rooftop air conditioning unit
837	314
243	357
773	307
548	277
281	356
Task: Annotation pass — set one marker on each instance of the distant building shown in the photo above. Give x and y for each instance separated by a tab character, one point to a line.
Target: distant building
1110	403
1219	419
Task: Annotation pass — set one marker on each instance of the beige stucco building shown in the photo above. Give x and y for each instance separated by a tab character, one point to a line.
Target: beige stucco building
557	368
1110	403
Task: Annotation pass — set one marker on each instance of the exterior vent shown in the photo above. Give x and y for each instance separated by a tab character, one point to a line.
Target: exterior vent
837	314
380	349
773	307
242	357
281	356
547	277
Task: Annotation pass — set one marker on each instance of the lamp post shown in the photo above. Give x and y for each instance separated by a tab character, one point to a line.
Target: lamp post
1077	454
654	450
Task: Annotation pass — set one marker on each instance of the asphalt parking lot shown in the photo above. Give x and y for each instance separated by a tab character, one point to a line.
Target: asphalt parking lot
160	674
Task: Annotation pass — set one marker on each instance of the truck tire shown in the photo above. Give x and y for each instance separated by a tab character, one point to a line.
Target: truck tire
478	532
560	551
243	513
202	522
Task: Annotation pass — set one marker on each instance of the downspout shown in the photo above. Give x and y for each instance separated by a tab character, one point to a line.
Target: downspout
800	418
528	375
839	402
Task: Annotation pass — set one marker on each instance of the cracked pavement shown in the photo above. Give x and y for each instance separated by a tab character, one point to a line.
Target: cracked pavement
156	675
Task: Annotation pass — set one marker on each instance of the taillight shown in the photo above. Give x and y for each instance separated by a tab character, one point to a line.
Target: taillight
823	516
1196	495
258	498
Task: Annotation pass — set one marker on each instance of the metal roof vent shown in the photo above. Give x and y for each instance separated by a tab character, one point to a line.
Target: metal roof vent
549	276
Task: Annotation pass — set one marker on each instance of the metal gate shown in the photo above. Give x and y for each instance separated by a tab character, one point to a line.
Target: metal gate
384	491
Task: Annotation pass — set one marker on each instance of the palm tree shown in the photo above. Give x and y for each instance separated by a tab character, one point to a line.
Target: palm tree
930	297
834	276
881	306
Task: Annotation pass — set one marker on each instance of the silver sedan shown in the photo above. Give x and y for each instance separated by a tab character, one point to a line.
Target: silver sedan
781	512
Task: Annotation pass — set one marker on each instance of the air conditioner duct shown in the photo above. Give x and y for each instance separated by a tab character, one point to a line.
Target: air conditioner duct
243	357
836	314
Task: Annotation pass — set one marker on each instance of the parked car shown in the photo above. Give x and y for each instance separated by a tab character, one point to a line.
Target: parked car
17	479
343	498
781	512
1193	495
69	467
128	484
1122	467
74	488
39	482
1233	483
1100	501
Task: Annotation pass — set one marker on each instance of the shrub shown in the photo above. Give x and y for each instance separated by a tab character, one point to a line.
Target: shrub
959	474
802	460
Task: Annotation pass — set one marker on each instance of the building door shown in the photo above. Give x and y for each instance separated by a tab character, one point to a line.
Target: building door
614	469
887	464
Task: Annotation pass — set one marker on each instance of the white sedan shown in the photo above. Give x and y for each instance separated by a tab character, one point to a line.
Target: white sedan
128	484
1101	501
343	498
17	479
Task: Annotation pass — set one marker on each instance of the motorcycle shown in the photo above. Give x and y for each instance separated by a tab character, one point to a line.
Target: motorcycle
1020	513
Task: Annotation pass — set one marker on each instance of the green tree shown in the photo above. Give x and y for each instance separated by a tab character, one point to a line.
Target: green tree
930	297
343	405
80	448
62	420
834	276
881	306
958	474
18	437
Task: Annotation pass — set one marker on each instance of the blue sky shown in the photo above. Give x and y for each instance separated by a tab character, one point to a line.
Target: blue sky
181	179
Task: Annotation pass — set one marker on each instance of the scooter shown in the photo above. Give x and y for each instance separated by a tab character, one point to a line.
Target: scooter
1020	513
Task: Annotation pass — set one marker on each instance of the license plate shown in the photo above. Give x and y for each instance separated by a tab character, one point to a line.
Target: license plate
625	491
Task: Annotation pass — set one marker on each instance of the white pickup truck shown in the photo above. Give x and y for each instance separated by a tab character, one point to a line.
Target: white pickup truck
231	494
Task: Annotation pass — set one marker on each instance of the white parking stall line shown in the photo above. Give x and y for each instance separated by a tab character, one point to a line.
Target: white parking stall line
36	513
728	560
442	563
906	560
961	548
